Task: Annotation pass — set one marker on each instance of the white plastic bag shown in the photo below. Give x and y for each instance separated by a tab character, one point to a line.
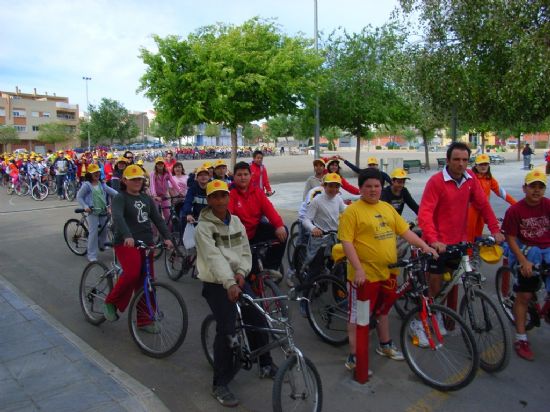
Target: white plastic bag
189	236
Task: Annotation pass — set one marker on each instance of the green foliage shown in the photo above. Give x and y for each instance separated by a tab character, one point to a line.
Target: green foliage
54	132
230	74
169	130
8	134
360	91
252	133
488	59
212	130
110	122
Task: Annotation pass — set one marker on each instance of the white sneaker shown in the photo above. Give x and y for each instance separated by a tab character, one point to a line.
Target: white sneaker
416	329
441	324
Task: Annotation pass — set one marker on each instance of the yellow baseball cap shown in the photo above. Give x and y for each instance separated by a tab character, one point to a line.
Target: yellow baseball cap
372	161
219	163
216	186
482	158
332	178
132	172
491	254
399	173
93	168
200	170
109	156
122	159
535	176
319	161
140	162
207	165
159	160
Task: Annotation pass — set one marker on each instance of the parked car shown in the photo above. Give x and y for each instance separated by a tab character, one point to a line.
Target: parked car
393	145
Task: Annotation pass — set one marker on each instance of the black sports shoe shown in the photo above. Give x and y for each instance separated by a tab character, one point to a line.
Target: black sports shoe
224	396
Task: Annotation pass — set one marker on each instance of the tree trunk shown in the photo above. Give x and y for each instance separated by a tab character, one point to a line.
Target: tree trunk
482	142
218	139
358	151
233	147
426	151
519	145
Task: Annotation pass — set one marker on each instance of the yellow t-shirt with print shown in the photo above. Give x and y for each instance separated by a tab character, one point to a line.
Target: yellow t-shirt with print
372	229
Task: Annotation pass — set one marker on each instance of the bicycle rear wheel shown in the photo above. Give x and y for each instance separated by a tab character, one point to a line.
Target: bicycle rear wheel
491	333
178	262
39	191
297	386
76	236
264	287
95	285
454	361
208	335
157	319
327	309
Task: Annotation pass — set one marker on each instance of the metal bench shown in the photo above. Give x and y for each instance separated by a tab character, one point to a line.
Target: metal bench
441	162
413	165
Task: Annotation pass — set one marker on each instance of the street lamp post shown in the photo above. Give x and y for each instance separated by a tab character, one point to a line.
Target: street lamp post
317	131
88	111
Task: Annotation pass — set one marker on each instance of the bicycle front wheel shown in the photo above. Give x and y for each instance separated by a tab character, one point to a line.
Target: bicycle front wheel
453	362
157	319
76	236
39	192
491	333
70	191
327	309
208	335
297	386
505	294
95	285
22	189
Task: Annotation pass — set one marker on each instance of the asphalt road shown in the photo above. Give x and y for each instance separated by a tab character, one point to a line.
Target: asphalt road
36	260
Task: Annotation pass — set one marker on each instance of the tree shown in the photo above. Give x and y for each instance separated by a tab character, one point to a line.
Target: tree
488	60
55	132
230	74
168	129
110	122
360	93
8	134
252	133
213	130
410	135
332	133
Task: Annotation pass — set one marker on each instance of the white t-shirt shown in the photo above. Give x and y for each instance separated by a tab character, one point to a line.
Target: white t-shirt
325	212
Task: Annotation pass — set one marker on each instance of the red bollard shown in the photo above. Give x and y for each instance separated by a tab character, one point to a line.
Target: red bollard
362	336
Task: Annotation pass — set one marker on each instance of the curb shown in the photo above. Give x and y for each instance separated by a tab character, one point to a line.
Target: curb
138	391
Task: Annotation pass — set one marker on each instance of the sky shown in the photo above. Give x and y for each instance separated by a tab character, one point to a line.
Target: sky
50	45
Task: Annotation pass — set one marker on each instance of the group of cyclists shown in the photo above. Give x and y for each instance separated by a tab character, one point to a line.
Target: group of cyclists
232	210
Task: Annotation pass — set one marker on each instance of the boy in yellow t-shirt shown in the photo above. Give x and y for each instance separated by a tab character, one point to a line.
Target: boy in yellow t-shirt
367	230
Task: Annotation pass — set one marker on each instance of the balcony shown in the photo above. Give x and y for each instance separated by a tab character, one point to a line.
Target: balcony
62	105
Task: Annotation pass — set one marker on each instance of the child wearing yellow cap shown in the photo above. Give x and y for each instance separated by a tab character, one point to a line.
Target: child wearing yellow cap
527	228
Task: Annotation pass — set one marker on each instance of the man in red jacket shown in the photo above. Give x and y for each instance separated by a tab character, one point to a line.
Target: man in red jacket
443	211
251	205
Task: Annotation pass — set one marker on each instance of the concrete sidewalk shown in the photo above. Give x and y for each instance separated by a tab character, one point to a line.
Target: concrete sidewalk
45	367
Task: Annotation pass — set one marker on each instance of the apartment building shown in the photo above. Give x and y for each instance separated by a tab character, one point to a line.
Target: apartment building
28	111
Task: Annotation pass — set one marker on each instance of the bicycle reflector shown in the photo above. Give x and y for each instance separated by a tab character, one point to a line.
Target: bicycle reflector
338	252
491	254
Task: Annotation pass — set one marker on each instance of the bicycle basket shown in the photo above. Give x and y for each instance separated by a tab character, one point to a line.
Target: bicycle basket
491	254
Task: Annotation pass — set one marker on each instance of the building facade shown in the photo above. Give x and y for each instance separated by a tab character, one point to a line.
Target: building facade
28	111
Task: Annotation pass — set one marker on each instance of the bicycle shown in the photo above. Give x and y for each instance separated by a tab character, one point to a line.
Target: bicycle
447	361
297	383
156	302
326	294
172	222
506	295
38	190
292	241
76	232
180	260
478	310
19	186
69	187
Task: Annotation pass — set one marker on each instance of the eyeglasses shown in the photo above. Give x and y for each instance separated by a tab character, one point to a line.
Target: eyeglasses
129	157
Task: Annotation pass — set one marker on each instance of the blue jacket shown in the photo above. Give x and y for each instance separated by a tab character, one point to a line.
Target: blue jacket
84	195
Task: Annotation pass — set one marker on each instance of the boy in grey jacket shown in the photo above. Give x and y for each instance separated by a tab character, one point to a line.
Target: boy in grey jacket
223	261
